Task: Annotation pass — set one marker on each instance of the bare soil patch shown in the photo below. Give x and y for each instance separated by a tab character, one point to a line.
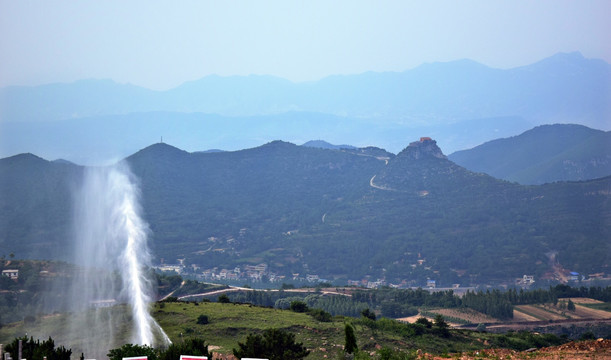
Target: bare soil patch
594	349
411	319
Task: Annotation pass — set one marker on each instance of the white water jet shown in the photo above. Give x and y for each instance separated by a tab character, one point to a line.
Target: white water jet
111	245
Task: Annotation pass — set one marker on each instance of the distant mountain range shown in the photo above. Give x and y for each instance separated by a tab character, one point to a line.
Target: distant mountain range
340	214
321	144
546	153
443	100
562	87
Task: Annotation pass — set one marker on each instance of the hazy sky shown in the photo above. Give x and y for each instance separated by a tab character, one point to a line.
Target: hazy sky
160	45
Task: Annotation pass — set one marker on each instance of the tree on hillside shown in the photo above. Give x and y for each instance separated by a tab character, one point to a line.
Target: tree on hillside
130	350
299	306
350	347
425	322
570	306
192	346
202	320
440	326
274	344
368	314
36	350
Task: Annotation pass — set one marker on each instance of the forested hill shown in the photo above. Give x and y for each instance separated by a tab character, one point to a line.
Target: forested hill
35	205
546	153
344	214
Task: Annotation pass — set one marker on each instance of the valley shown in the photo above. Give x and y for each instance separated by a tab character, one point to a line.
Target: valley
396	180
26	306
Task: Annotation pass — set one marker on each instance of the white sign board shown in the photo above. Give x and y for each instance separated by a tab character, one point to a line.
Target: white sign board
136	358
191	357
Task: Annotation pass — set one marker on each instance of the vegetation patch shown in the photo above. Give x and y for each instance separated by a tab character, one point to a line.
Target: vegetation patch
598	306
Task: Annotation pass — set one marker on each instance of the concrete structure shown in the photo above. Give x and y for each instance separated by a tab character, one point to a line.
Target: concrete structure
12	274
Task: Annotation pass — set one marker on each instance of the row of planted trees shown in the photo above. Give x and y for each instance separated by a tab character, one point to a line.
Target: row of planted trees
396	303
496	303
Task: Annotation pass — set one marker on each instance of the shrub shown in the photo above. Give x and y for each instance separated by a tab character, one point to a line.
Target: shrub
320	315
130	350
441	326
202	319
191	346
424	321
275	344
350	347
299	306
368	314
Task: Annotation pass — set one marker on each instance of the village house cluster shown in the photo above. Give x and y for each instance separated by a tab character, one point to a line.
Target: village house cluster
261	273
250	273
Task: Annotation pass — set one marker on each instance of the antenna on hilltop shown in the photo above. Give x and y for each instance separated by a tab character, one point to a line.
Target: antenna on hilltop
161	140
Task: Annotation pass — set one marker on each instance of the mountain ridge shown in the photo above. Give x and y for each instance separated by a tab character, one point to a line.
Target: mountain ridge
318	211
434	92
543	154
460	103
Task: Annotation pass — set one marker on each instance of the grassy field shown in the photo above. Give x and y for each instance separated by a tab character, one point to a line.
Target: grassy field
600	306
230	323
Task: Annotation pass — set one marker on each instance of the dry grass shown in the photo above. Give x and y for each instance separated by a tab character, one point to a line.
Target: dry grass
521	316
469	315
588	313
584	301
559	312
540	313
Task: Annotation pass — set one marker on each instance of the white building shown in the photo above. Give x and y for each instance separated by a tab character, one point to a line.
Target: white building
12	274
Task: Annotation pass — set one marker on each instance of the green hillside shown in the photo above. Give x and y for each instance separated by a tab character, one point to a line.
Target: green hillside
35	210
230	323
544	154
338	214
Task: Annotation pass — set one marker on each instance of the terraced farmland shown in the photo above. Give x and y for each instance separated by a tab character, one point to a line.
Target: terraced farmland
546	312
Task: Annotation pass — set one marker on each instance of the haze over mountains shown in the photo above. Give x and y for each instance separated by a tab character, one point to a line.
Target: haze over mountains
338	211
340	214
461	104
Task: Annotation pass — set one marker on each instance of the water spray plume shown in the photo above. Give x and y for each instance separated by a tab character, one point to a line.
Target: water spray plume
111	243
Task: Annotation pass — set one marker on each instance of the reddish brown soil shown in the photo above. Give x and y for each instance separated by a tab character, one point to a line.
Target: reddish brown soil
594	349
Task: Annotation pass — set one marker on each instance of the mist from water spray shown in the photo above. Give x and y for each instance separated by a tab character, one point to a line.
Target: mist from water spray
111	245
